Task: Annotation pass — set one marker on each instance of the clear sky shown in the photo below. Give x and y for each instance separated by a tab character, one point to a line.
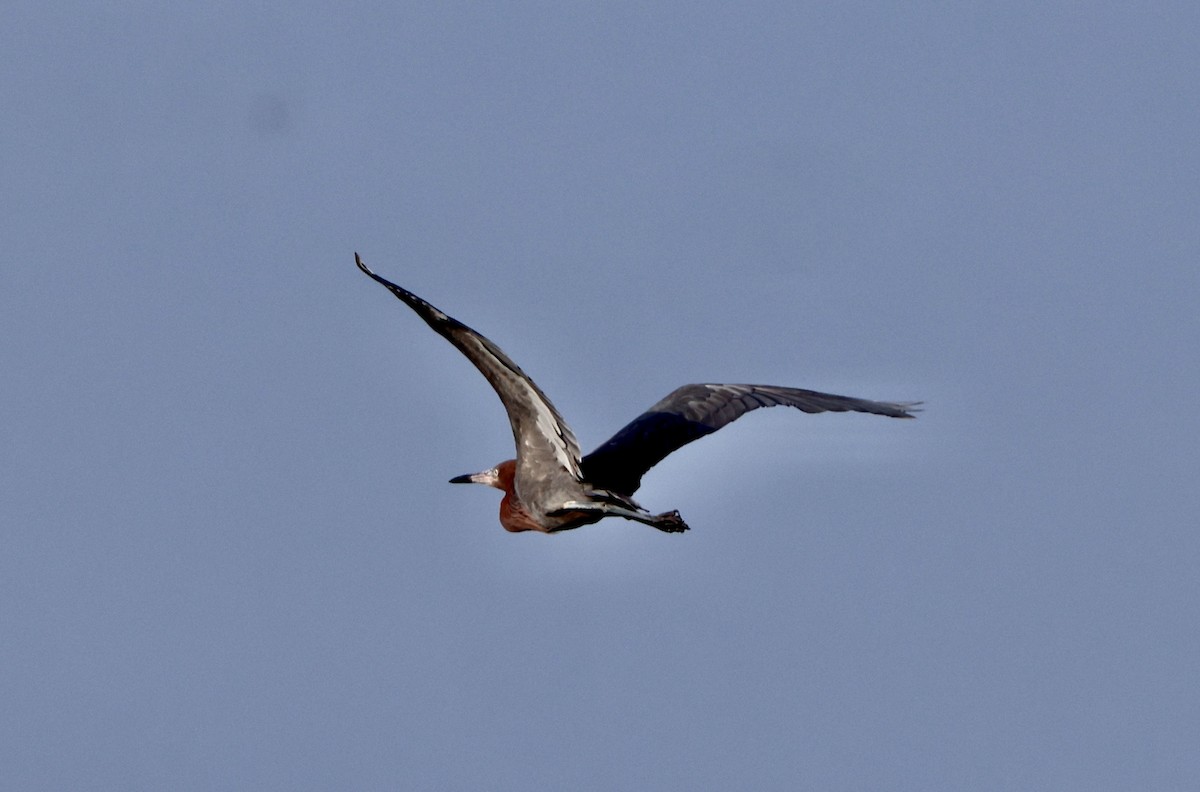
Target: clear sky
231	558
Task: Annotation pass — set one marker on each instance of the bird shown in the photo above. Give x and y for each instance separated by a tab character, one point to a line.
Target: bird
550	486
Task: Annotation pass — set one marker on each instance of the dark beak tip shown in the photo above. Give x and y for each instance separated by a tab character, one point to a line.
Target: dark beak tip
466	479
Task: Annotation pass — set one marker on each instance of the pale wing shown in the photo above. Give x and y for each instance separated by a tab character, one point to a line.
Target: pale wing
544	441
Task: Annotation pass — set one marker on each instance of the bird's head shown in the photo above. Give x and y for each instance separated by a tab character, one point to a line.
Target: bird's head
501	476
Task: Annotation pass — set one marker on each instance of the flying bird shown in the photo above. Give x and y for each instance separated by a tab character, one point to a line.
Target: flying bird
550	487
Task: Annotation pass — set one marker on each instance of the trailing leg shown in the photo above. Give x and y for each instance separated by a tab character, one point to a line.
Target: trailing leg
668	522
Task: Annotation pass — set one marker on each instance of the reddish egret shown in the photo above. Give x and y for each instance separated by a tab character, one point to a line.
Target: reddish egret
549	487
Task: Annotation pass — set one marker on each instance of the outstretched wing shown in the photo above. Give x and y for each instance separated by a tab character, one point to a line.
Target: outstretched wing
544	441
693	411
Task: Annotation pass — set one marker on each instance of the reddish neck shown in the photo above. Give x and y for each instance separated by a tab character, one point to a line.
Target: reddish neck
506	474
513	515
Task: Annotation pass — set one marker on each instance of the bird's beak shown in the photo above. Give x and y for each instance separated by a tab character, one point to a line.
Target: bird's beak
488	477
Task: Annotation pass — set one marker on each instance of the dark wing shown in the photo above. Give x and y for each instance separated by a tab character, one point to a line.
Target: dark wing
544	441
693	411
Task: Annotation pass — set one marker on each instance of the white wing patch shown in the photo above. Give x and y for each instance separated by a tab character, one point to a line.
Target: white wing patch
553	430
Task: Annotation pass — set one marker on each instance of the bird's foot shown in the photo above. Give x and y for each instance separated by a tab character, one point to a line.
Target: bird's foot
670	522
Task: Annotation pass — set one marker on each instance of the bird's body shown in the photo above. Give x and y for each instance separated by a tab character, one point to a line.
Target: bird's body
550	487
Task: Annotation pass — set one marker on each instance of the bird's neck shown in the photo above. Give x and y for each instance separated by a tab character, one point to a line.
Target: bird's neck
514	517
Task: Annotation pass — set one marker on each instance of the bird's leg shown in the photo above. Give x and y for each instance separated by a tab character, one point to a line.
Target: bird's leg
668	522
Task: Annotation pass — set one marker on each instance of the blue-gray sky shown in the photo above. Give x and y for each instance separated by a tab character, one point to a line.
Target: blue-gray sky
232	560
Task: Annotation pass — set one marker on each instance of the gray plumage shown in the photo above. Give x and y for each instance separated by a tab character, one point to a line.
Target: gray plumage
549	487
